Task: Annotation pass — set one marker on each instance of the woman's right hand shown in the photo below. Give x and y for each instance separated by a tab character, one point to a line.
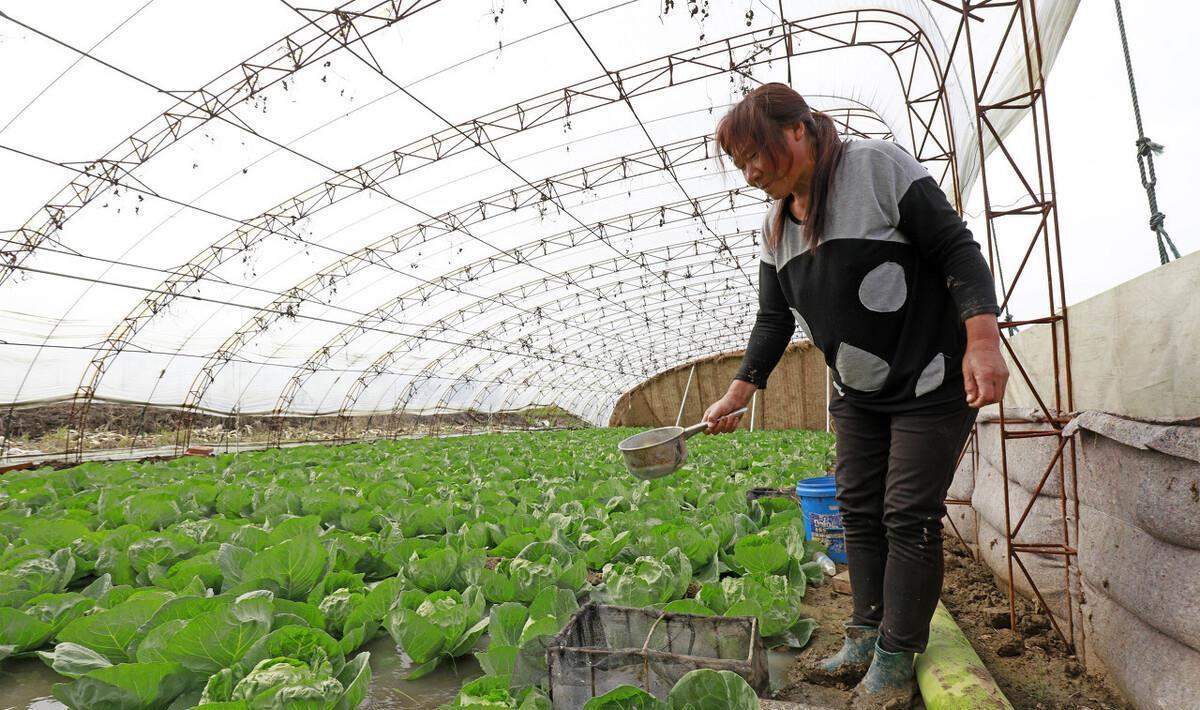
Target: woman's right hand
717	414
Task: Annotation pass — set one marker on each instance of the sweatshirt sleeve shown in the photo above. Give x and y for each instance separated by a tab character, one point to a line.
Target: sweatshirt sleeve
927	220
773	328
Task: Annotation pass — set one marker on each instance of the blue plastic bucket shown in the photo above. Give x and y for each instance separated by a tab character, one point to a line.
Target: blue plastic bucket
822	521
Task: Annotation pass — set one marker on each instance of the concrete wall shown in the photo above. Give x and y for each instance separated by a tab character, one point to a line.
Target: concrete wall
794	397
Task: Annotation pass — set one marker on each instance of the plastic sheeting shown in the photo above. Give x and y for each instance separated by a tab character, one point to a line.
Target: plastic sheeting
421	205
1132	349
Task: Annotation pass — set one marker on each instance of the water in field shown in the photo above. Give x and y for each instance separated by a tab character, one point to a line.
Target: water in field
25	683
778	665
390	690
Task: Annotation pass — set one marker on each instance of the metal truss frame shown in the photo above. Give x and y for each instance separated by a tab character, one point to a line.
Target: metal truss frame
604	283
834	31
307	46
715	302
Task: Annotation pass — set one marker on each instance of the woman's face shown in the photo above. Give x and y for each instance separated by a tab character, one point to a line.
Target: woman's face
779	176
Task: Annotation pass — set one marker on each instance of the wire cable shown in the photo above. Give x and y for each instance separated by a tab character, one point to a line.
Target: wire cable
629	104
262	363
241	125
374	65
289	235
286	313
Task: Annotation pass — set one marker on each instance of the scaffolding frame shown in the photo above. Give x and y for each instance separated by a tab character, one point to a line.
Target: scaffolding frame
1028	225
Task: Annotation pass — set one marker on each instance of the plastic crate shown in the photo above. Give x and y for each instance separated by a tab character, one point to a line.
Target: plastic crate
605	646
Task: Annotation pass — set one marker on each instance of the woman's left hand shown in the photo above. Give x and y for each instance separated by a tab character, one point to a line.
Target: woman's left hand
984	373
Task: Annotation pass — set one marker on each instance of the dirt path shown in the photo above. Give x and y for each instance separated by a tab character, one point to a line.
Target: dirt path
1031	664
831	610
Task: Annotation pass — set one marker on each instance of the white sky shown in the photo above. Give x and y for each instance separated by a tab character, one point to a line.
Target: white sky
1102	206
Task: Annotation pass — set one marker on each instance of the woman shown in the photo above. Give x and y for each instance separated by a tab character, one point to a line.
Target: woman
864	252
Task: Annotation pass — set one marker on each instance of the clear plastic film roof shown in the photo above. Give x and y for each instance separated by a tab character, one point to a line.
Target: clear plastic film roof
345	208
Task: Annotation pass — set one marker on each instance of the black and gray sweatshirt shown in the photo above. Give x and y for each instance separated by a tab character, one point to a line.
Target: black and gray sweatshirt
884	295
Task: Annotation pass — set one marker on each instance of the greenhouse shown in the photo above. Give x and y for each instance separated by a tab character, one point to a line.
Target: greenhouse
346	350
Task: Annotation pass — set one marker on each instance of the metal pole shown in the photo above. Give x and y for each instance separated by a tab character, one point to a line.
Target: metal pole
753	408
828	396
686	389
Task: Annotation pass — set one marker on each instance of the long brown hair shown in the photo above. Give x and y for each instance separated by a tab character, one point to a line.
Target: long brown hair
758	122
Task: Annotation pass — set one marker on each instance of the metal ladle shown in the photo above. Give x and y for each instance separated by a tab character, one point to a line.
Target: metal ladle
660	452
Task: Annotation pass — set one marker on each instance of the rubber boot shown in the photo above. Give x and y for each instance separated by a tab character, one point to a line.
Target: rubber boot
888	684
851	661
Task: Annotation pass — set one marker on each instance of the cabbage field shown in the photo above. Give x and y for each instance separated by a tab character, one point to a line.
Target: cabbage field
253	581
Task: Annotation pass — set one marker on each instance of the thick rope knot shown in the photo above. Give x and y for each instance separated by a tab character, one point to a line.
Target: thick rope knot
1156	221
1145	147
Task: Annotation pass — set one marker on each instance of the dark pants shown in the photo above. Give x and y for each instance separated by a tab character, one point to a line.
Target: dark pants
893	471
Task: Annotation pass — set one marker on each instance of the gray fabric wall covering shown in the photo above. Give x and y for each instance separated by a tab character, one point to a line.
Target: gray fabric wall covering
964	526
1154	670
1156	492
1027	459
1133	355
1139	545
1046	570
1158	581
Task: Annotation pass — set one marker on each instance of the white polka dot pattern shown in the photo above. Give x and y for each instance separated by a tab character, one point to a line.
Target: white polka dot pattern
932	376
883	290
803	324
860	370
